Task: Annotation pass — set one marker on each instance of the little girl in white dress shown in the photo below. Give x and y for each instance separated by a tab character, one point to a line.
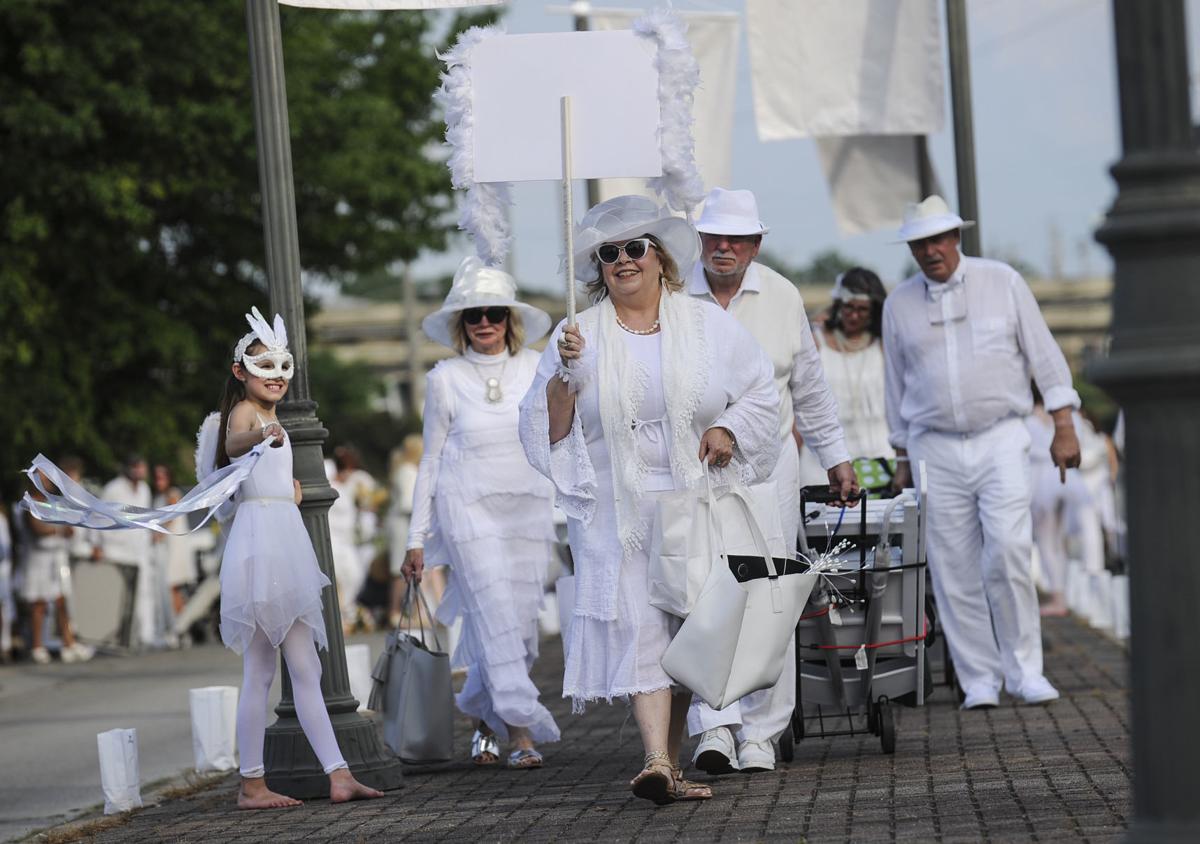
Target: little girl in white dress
270	581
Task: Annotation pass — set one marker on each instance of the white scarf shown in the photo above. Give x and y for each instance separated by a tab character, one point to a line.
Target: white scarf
622	387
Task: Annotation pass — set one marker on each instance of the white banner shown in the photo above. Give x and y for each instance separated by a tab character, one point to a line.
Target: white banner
871	178
832	67
388	4
713	37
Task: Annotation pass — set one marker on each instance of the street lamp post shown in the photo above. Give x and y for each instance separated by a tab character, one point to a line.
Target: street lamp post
292	767
1153	369
964	124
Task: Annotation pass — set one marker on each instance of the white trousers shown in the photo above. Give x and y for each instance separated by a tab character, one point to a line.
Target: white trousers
763	715
980	547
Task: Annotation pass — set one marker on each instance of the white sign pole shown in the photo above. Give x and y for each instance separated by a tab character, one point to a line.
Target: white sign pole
568	207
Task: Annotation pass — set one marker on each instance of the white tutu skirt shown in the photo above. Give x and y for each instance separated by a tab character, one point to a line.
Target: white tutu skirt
270	579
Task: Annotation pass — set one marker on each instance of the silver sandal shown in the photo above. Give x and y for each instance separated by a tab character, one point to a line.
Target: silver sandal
481	744
525	757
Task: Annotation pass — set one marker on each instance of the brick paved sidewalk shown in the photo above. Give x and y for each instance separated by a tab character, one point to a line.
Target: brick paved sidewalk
1015	773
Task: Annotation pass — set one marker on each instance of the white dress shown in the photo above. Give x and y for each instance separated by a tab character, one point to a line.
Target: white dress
481	509
270	579
856	380
616	651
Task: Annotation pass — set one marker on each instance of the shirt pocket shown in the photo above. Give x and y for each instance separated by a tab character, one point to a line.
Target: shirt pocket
992	336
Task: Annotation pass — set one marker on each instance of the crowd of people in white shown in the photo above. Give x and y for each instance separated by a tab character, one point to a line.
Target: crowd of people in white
692	352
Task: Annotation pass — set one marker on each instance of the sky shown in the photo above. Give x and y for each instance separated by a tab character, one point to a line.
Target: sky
1046	129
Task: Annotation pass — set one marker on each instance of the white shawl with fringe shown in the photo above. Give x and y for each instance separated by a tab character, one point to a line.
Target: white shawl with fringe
714	374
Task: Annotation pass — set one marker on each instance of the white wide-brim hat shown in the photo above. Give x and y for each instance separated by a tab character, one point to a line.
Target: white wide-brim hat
732	212
627	217
928	217
479	286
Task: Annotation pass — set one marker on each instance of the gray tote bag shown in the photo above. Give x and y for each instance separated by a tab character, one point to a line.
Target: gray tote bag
412	692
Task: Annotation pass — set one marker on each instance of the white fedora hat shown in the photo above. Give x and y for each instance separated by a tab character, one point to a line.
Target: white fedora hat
627	217
479	286
928	217
730	212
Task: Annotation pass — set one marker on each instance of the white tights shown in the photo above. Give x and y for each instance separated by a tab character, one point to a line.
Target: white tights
304	667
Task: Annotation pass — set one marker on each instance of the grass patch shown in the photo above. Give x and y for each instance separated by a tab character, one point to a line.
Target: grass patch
83	831
192	784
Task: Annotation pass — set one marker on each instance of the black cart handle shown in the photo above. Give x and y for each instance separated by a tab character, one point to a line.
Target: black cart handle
820	494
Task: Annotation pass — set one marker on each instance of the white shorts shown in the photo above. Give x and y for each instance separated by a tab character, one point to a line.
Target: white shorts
42	575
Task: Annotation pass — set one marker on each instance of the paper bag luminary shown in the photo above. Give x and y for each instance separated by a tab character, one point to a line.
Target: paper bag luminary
543	107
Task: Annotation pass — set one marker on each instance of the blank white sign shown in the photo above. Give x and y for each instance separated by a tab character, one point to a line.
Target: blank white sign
517	84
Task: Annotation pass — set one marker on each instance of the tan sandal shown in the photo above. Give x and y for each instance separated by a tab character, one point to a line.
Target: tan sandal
688	790
656	782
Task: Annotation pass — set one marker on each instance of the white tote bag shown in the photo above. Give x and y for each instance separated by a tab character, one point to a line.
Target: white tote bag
680	551
214	727
119	776
736	638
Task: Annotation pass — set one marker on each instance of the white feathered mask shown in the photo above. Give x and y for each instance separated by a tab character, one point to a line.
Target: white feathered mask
276	354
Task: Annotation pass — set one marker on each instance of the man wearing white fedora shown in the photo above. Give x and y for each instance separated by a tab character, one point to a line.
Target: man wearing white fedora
961	339
770	307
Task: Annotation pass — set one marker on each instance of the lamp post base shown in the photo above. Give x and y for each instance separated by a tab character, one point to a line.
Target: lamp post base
293	769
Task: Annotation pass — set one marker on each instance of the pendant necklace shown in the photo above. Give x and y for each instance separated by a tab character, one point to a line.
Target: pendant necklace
492	392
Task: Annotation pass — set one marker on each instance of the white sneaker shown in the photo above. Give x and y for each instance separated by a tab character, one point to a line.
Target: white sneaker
756	756
981	698
40	655
715	754
78	652
1037	691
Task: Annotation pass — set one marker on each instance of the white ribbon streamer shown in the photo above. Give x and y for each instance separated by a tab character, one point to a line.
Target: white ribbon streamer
74	505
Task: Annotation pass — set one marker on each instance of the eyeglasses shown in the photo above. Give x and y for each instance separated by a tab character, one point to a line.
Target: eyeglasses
495	315
610	253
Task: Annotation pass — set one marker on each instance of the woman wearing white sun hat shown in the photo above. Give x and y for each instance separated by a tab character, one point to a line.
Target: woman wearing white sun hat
480	508
626	405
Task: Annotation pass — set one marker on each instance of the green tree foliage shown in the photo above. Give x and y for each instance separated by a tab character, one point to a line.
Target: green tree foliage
130	230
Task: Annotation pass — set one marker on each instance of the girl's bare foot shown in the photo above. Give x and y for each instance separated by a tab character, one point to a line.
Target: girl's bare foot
343	787
254	794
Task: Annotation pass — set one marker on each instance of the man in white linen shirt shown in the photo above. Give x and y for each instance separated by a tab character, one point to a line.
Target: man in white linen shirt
961	339
133	548
770	307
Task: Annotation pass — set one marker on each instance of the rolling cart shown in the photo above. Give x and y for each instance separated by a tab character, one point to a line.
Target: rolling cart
860	644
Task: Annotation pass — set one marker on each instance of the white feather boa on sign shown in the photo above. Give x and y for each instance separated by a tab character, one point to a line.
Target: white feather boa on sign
484	208
678	76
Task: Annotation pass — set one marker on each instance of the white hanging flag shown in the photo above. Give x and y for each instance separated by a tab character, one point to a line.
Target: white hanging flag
713	37
388	4
871	178
831	67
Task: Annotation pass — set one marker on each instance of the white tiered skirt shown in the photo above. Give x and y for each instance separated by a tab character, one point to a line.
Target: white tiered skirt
496	587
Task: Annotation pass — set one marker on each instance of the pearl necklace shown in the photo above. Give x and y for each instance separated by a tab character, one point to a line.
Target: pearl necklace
641	331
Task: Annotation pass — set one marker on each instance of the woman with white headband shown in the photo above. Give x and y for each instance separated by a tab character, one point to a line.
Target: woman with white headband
481	509
852	357
629	403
